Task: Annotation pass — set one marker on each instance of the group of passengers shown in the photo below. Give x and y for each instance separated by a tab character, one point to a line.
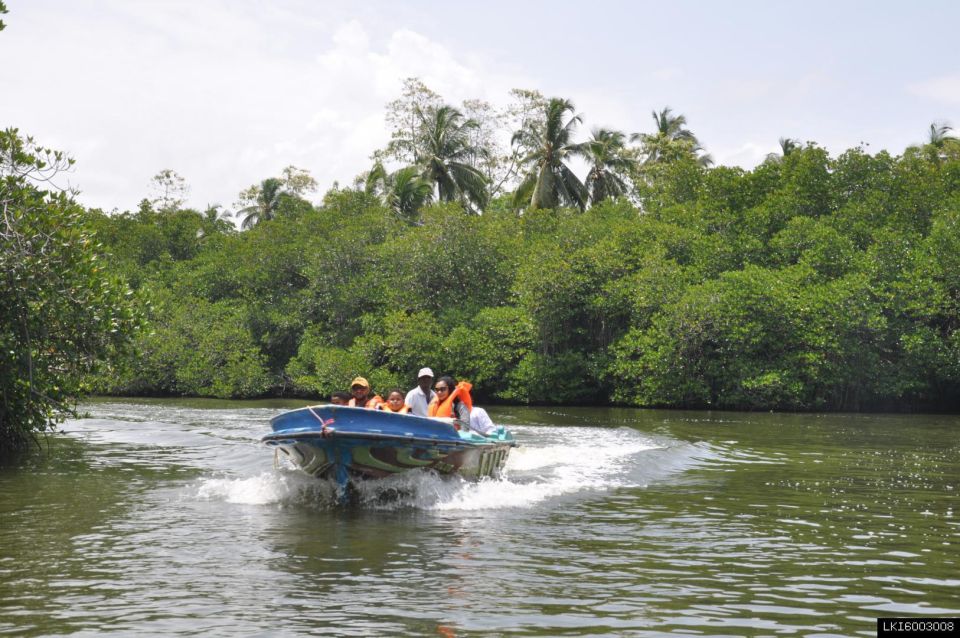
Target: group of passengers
446	398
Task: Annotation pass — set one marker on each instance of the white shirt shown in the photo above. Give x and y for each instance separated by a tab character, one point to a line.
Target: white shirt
418	401
480	421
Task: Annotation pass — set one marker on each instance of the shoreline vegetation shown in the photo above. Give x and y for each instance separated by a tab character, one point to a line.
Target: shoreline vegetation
811	282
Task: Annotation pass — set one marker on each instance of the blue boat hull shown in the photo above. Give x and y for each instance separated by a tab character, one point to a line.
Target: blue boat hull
343	443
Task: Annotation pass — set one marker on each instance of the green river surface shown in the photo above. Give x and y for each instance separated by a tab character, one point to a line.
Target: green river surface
169	518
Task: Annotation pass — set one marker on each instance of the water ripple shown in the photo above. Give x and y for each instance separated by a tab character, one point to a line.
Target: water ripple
166	519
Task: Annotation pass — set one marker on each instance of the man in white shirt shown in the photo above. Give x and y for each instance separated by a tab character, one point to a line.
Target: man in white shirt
480	421
420	397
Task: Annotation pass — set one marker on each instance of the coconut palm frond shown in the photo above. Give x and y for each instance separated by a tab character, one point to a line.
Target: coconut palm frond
549	182
446	151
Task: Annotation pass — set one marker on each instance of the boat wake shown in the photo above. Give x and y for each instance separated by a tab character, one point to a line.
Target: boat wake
550	463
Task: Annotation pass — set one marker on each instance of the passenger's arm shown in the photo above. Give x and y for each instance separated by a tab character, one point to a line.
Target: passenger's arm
463	415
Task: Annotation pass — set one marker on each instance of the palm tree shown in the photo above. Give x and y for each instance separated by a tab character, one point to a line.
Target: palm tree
215	219
672	126
549	182
443	153
609	164
404	192
377	181
787	145
939	134
670	140
409	192
266	201
940	144
213	213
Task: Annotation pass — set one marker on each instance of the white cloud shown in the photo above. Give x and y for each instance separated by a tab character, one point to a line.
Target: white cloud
666	74
746	155
352	38
228	93
210	92
945	88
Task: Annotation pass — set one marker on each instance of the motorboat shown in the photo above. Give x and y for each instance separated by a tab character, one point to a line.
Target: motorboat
344	443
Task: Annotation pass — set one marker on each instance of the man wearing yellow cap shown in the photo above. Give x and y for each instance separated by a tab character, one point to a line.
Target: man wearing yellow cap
360	389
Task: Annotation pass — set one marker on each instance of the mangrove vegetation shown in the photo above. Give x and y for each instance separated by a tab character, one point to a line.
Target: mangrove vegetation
814	281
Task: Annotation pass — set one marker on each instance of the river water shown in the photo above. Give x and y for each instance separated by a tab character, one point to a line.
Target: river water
169	518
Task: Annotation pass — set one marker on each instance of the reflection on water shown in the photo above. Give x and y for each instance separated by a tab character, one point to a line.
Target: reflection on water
170	518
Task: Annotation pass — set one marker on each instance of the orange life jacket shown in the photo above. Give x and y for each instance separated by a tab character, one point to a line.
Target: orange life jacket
372	402
405	409
462	392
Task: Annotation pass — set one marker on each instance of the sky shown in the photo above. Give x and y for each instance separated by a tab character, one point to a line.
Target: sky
229	92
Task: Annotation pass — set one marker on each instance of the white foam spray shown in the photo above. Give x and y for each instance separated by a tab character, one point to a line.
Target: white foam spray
549	463
265	488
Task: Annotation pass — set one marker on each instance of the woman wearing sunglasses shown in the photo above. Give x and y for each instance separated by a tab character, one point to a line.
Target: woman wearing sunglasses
452	400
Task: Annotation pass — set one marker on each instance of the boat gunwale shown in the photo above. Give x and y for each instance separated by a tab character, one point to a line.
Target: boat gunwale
279	437
449	435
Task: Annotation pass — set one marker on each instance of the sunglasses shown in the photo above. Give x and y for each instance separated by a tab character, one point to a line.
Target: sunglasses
442	388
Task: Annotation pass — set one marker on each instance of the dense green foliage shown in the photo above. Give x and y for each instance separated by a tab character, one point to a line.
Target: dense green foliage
62	312
810	282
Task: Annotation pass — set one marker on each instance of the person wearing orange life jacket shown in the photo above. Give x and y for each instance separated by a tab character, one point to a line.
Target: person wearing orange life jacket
360	389
394	403
452	400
